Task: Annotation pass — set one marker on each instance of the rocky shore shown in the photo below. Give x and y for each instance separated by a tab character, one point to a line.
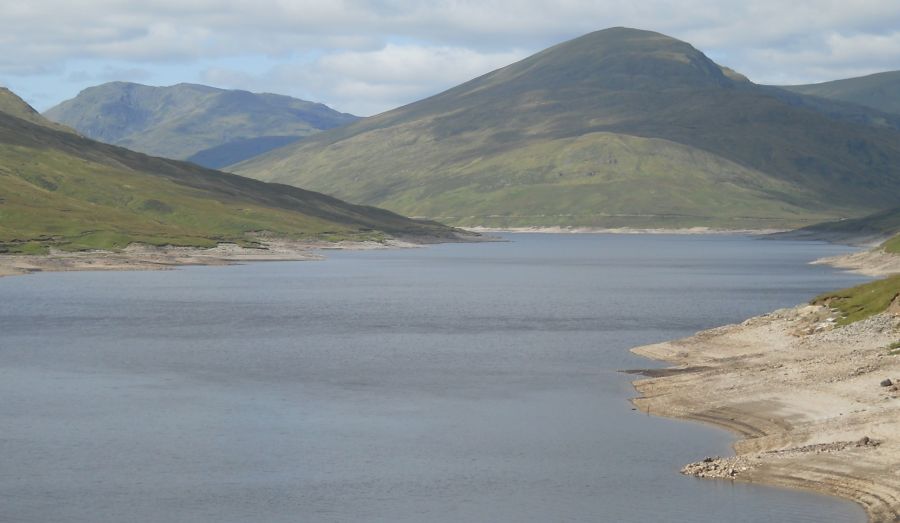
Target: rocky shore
875	262
621	230
816	406
143	257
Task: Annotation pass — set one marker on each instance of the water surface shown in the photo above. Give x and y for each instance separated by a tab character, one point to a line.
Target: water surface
453	383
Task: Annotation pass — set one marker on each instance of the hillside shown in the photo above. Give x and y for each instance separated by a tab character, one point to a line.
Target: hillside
880	91
14	106
620	127
58	189
211	127
883	226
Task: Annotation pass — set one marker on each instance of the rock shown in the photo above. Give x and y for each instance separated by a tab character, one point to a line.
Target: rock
717	468
886	382
866	441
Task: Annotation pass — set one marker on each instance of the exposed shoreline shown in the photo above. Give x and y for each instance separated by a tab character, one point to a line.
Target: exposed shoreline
875	262
805	398
138	257
142	257
621	230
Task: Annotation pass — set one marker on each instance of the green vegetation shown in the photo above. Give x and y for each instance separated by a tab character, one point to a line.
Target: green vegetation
60	190
860	302
894	348
15	106
875	227
892	245
617	128
193	122
880	91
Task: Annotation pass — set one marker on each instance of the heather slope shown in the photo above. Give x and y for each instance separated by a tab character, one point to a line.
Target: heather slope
58	189
879	91
618	127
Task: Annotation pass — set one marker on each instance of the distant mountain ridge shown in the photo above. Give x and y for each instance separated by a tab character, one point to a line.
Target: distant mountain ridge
877	227
210	126
64	191
879	91
620	127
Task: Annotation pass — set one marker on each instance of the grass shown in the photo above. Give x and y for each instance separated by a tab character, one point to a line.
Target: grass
15	106
894	348
892	245
51	199
617	127
883	224
878	90
59	190
860	302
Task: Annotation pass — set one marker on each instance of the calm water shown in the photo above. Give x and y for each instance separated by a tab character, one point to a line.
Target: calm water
453	383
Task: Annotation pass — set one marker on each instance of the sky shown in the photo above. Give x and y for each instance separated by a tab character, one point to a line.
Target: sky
365	57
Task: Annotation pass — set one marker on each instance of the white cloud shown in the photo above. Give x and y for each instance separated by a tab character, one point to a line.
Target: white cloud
389	50
368	82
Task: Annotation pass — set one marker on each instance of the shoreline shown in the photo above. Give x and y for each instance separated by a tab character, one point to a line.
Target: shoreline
874	262
145	257
621	230
138	257
804	398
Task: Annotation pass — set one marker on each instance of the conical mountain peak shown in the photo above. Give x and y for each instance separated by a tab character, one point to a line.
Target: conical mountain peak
617	127
621	59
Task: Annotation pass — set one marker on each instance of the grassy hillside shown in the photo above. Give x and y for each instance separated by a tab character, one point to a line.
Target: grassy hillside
877	227
619	127
880	91
193	122
58	189
892	245
14	106
860	302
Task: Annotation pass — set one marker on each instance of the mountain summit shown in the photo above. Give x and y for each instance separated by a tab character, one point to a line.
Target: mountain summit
616	59
619	127
209	126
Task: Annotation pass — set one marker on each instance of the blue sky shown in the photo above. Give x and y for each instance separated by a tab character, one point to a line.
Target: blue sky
365	57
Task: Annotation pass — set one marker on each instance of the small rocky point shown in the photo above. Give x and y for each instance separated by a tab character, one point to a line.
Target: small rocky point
730	468
717	467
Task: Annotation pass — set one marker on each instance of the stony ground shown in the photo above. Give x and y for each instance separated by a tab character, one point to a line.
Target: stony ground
812	402
143	257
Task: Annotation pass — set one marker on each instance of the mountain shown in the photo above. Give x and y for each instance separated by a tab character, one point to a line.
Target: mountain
209	126
14	106
879	91
878	227
620	127
62	190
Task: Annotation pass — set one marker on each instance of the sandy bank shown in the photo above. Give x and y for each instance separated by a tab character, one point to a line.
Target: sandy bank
802	395
875	262
142	257
620	230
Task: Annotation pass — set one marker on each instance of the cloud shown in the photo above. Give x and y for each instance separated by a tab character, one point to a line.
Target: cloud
109	73
368	82
389	50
